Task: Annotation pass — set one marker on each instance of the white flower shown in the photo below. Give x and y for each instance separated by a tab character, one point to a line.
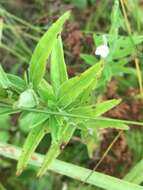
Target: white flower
102	50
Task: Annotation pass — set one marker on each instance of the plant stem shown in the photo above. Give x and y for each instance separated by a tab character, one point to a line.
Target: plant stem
138	70
72	115
102	158
139	75
64	168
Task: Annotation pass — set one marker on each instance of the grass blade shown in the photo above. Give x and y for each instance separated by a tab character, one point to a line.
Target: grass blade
97	179
136	173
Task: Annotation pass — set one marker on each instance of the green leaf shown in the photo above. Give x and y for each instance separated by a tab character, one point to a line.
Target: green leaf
46	92
58	66
68	131
135	175
89	59
4	136
90	139
4	82
3	93
16	82
5	110
54	127
115	20
71	89
30	120
55	148
88	96
1	28
5	122
124	46
31	143
105	124
43	50
2	187
57	128
97	109
135	143
52	154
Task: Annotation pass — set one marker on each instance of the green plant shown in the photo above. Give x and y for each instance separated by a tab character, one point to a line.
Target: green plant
18	40
123	49
58	107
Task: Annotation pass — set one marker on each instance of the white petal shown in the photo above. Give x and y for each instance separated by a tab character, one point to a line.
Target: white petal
102	50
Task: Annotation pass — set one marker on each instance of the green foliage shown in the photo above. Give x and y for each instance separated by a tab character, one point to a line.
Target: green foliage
4	82
79	83
32	141
76	172
135	142
53	107
135	175
61	105
30	120
122	48
17	83
4	127
43	50
58	74
46	92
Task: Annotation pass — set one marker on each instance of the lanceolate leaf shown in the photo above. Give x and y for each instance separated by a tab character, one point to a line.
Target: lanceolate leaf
115	20
31	120
31	143
46	92
51	155
96	110
87	96
90	59
105	124
54	127
90	137
72	88
17	83
58	67
68	131
56	148
4	82
7	111
43	50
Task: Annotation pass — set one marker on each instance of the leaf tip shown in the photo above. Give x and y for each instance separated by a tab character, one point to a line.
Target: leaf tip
18	172
39	174
67	14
